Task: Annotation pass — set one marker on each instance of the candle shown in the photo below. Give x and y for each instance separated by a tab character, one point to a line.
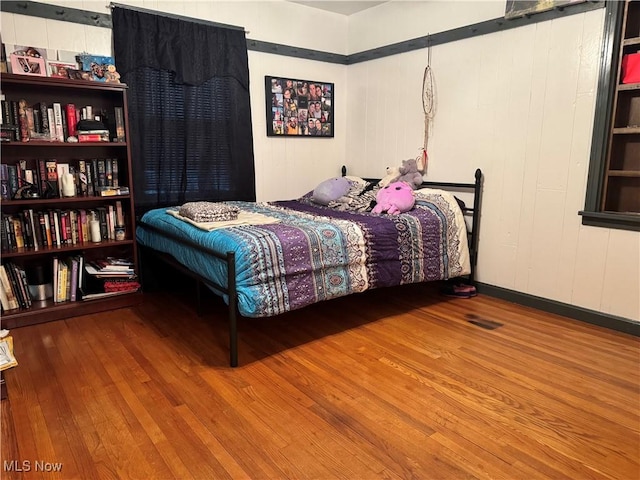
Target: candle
94	227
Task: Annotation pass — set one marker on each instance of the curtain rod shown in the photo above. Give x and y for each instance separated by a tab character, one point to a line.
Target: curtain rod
175	16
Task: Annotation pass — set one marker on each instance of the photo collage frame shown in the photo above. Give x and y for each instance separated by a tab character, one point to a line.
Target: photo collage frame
299	108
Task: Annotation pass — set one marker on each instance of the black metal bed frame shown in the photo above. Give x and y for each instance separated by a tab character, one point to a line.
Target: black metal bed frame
229	257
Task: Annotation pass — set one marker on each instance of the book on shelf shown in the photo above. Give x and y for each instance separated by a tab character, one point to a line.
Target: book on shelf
4	299
5	194
18	232
53	135
8	233
70	109
83	187
112	191
19	283
8	292
96	287
96	295
73	287
7	133
119	124
115	264
94	269
101	175
54	281
12	180
93	136
62	273
57	119
44	115
108	173
51	167
91	182
15	119
114	169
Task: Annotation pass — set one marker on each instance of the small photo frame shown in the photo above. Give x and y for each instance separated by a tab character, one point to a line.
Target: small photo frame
75	74
101	68
60	69
28	65
299	108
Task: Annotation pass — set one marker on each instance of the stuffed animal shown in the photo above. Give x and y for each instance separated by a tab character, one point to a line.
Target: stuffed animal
392	174
331	190
409	173
395	198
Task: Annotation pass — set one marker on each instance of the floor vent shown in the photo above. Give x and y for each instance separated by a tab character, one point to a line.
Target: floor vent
482	322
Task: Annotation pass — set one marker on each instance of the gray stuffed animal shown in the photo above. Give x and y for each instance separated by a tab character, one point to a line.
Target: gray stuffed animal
409	173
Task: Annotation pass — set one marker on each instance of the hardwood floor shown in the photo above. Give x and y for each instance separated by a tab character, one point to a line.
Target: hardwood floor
397	383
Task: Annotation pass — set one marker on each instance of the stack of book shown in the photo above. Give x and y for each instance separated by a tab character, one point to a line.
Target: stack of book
110	276
93	136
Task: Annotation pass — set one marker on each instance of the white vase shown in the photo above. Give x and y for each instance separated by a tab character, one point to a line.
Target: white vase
68	185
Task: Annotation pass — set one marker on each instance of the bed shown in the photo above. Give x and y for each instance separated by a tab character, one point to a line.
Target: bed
285	255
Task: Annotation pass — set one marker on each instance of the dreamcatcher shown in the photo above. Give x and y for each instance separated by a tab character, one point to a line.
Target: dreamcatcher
428	108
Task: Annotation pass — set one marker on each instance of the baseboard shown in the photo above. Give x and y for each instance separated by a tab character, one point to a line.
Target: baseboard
577	313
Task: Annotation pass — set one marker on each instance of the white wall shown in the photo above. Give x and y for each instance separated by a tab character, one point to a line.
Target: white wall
285	167
518	104
400	20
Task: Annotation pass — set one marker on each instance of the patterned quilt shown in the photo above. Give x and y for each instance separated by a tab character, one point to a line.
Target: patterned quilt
313	253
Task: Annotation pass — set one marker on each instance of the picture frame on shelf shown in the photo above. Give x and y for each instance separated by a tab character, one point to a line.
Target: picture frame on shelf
28	65
100	68
76	74
299	108
60	69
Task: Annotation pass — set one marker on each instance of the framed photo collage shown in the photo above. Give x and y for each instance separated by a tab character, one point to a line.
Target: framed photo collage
299	108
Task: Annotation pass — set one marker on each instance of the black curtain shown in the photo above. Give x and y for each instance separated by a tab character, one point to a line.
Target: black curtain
189	109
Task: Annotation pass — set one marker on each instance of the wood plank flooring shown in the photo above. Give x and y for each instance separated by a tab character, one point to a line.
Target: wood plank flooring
395	383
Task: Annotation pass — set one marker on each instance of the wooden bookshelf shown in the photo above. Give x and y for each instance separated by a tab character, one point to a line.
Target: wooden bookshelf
621	192
103	98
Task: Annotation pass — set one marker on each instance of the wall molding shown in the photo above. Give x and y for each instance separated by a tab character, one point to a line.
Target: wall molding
571	311
474	30
87	17
57	12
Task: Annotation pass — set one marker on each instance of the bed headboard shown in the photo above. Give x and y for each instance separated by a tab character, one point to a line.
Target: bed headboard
473	231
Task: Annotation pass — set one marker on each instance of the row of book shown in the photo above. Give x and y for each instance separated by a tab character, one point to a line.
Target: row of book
71	279
21	121
14	287
76	279
44	179
36	229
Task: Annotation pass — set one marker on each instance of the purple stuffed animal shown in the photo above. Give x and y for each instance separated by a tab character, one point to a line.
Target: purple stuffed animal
395	198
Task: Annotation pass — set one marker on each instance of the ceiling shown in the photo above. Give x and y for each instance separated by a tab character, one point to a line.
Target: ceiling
338	6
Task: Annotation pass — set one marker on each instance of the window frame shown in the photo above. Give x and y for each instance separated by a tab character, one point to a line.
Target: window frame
592	214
